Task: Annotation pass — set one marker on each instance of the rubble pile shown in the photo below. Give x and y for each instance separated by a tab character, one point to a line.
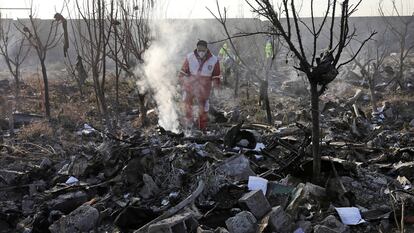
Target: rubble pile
238	177
244	178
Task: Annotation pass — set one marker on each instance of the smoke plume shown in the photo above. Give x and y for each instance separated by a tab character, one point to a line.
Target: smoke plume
162	62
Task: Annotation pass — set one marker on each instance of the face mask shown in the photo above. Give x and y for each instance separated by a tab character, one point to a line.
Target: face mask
201	53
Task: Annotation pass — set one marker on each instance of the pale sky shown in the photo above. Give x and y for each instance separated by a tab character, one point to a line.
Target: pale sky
197	8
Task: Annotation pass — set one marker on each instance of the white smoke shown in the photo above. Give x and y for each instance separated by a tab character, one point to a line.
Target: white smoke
162	61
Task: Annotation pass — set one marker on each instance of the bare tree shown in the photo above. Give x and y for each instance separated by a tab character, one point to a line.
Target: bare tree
42	39
95	35
131	38
400	26
115	51
241	64
319	70
77	70
370	63
14	51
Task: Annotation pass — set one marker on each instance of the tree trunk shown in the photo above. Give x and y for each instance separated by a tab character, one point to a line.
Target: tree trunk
264	100
142	109
46	88
11	119
78	81
17	89
266	97
226	75
236	85
401	65
371	85
105	113
268	110
267	101
102	105
117	74
247	85
315	131
401	75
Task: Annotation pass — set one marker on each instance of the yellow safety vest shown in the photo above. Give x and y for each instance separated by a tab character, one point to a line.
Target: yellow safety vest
269	50
224	52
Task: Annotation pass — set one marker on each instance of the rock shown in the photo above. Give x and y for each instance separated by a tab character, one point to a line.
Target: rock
54	215
131	172
180	223
412	123
83	219
237	167
278	194
150	187
27	206
331	224
68	202
256	203
231	138
279	220
302	193
243	222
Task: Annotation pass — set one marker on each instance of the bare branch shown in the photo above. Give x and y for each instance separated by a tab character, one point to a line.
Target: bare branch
359	50
331	31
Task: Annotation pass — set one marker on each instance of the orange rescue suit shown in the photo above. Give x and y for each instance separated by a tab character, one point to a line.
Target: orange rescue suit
196	77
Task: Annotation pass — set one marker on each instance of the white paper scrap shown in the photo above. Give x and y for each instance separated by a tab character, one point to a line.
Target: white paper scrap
259	147
257	183
350	215
72	180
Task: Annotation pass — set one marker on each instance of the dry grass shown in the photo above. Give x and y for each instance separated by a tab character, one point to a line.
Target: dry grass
36	130
71	115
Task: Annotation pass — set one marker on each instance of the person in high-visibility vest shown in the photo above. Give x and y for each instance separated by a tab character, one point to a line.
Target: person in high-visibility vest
224	52
225	61
269	49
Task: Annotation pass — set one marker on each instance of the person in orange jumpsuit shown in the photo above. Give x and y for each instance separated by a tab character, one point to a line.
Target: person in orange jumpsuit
200	71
